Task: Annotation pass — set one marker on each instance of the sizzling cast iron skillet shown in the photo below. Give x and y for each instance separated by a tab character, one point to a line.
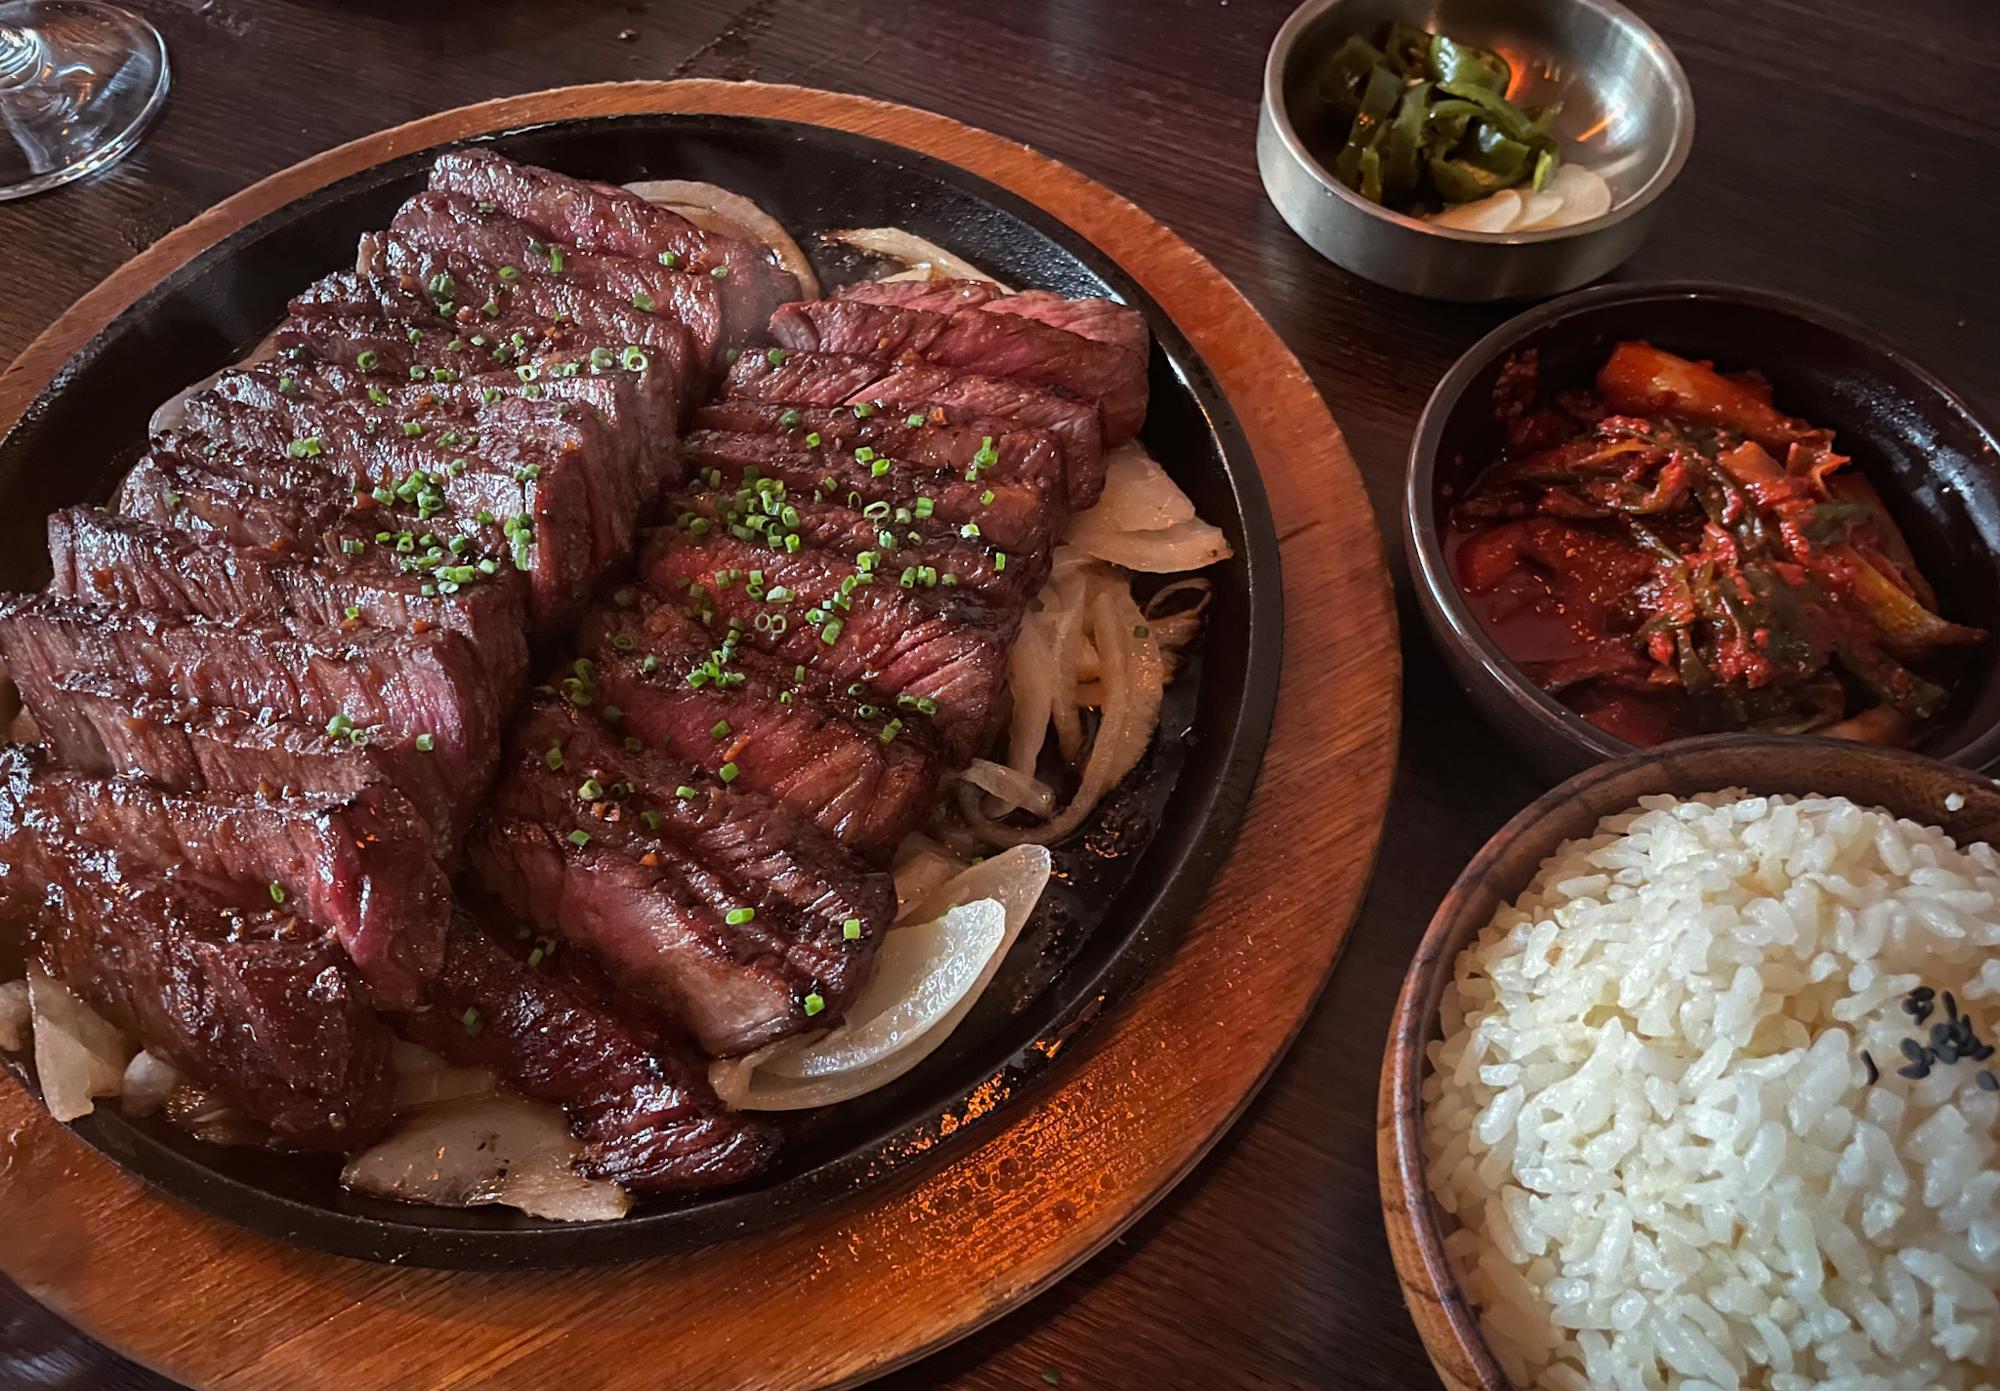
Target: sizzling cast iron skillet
1126	884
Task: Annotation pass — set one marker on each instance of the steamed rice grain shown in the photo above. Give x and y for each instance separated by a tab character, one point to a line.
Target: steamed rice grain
1651	1129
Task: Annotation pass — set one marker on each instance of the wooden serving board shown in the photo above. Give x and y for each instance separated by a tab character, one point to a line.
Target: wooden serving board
907	1267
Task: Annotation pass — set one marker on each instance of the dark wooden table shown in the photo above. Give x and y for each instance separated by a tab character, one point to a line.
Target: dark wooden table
1846	153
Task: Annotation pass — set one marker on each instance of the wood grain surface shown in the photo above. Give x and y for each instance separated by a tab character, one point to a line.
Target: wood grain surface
1811	175
899	1270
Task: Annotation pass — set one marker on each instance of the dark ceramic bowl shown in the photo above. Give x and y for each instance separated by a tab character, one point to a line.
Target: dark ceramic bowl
1935	464
1127	883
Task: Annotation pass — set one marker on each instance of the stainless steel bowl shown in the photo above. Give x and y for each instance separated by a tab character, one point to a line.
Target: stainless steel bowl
1627	113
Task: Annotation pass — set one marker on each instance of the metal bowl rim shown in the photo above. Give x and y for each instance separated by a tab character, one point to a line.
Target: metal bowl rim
1662	178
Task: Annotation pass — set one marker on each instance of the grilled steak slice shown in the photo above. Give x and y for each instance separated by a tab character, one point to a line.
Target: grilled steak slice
834	379
345	317
258	1006
548	300
360	865
107	727
998	578
1105	320
1013	346
943	471
181	484
656	927
596	217
455	454
640	1102
937	296
792	736
1102	320
102	558
420	688
299	505
803	886
926	643
446	226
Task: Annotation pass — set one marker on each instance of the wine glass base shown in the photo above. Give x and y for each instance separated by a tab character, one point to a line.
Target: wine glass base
99	79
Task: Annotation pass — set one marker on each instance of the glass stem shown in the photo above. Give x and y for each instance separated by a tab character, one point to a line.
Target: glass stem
20	54
30	105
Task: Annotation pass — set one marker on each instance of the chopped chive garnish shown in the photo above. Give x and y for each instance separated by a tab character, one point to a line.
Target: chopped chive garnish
813	1004
591	791
736	917
277	892
851	929
579	837
426	742
727	772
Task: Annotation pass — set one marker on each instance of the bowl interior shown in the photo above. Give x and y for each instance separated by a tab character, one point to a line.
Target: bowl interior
1937	467
1622	104
1126	885
1906	784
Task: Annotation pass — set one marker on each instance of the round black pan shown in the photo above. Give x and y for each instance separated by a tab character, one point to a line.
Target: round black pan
1126	885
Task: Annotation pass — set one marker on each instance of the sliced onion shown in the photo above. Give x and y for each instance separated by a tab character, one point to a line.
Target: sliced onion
1014	879
171	414
407	1059
495	1149
920	969
921	972
1063	601
16	1015
909	251
1015	790
149	1081
1186	546
1144	521
921	866
1132	674
211	1119
78	1055
1031	683
1138	494
717	209
438	1085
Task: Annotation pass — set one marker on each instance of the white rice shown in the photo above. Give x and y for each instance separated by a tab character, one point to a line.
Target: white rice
1650	1123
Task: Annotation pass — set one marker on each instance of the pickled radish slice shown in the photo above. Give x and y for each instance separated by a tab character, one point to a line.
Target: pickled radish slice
1584	196
1494	213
